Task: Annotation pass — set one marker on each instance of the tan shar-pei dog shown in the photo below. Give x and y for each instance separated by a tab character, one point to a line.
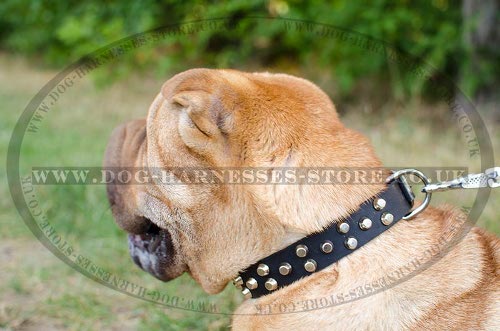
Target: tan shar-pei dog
410	277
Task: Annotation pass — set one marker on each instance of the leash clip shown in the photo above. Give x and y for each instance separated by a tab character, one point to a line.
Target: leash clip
489	178
400	173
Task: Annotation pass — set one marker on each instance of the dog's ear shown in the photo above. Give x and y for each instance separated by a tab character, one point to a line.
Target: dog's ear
200	95
203	120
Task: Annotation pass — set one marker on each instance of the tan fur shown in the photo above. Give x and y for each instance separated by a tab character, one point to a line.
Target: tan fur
226	118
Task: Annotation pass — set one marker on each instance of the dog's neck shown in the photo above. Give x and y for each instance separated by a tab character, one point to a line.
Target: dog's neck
329	299
320	250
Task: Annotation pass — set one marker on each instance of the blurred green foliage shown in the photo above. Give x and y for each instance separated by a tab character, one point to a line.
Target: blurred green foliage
59	32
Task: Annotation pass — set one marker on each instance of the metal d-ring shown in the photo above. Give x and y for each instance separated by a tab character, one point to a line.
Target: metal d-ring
423	178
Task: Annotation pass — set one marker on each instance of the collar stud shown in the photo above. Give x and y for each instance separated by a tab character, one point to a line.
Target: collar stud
365	223
310	265
246	293
262	270
238	282
343	227
379	204
285	269
327	247
387	218
351	243
301	250
271	284
252	284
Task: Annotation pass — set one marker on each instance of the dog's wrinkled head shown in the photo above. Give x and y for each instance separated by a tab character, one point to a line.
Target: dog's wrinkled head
225	118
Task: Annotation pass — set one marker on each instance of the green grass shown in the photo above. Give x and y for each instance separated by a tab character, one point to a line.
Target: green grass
39	291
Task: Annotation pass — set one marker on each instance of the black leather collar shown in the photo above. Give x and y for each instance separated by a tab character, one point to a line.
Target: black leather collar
317	251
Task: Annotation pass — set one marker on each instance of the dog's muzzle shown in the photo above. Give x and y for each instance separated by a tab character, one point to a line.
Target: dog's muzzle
151	247
152	251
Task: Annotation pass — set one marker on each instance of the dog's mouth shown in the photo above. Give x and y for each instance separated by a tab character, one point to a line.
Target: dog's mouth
153	251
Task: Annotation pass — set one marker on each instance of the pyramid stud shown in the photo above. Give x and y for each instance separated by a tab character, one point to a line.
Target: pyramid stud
351	243
271	284
310	265
252	284
365	223
387	218
343	227
301	250
246	293
379	204
327	247
285	269
262	270
238	282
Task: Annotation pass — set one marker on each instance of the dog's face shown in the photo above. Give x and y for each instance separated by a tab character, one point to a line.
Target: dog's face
224	118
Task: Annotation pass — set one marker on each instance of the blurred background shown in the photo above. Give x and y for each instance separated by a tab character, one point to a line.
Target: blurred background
383	99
